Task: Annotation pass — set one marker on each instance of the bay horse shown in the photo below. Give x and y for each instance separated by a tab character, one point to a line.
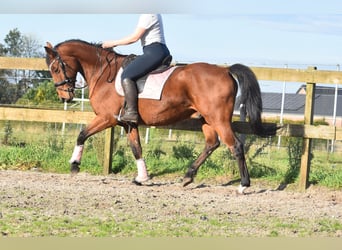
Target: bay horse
199	89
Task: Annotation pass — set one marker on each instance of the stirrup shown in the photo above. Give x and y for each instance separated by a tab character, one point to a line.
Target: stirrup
130	117
118	117
128	121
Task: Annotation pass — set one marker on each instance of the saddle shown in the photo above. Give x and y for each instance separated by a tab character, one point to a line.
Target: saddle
165	65
151	85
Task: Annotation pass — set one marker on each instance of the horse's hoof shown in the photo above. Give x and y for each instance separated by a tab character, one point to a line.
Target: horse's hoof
189	176
75	168
140	180
187	181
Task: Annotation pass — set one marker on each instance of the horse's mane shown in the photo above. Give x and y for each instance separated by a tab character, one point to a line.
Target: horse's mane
92	44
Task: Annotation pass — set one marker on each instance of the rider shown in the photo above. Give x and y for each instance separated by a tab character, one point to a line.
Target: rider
151	33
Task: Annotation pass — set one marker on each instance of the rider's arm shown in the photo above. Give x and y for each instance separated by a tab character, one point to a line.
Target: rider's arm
135	36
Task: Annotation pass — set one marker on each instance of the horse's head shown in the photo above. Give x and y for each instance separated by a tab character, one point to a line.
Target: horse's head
63	70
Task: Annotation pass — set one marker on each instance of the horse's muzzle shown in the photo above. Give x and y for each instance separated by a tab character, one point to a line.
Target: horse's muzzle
68	100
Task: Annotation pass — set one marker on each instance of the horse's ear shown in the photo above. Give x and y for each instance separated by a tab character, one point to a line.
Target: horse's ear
49	45
49	50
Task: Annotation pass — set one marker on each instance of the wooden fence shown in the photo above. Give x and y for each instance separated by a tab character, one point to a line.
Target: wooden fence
310	76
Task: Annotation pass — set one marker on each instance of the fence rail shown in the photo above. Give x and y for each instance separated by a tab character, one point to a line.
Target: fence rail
84	117
310	76
263	73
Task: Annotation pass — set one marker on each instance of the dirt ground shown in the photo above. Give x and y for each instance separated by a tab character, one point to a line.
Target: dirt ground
216	207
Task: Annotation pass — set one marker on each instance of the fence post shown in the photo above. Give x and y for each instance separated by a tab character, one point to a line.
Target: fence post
108	151
307	142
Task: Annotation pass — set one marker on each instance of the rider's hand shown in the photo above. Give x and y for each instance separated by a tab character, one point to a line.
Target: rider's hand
108	44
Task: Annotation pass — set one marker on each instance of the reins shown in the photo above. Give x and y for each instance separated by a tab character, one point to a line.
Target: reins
109	60
68	80
99	62
110	57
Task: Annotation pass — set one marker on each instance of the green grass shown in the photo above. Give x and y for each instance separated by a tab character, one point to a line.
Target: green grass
40	157
26	223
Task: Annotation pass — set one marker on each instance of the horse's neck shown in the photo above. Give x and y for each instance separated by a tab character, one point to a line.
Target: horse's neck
88	64
99	65
100	68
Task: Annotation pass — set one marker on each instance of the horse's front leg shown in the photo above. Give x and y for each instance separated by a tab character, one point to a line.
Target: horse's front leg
97	125
75	160
134	142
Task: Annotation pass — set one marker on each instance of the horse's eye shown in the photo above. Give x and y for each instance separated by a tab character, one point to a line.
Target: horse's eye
56	70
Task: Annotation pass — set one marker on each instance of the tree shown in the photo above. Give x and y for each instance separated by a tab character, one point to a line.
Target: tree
4	84
14	42
31	47
3	50
45	93
15	83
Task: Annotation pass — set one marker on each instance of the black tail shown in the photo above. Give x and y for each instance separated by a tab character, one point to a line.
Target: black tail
251	98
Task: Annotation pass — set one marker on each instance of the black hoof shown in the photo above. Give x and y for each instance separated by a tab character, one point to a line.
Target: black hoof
75	167
189	176
137	183
187	181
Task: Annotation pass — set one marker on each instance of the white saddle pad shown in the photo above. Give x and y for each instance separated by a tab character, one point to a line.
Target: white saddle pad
153	86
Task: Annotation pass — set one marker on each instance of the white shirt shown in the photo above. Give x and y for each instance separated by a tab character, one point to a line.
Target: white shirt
153	24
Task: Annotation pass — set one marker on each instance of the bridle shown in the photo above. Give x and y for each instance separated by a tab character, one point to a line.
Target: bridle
70	82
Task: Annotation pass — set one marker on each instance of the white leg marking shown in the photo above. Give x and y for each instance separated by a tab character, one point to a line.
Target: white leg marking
77	154
241	189
142	171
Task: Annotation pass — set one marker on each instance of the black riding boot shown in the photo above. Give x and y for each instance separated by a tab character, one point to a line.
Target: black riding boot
131	99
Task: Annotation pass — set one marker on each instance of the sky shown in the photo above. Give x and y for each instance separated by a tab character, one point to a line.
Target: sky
294	34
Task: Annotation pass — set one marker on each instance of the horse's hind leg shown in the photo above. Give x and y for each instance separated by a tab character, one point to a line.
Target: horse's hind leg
236	147
134	142
211	143
238	151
